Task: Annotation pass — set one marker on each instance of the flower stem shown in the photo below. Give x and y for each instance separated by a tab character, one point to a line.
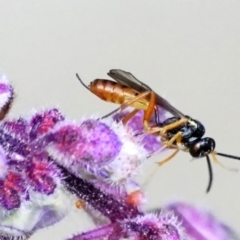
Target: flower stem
104	203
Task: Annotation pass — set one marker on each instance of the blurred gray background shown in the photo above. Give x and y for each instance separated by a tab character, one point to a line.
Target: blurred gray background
187	51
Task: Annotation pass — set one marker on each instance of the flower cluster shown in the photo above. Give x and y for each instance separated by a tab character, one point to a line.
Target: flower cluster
45	159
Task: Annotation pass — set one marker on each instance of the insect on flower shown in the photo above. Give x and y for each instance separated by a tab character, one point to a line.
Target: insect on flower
179	132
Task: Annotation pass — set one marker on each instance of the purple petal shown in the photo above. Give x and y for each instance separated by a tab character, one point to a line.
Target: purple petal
92	143
200	224
43	122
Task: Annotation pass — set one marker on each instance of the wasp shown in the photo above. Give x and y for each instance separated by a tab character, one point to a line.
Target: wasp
179	132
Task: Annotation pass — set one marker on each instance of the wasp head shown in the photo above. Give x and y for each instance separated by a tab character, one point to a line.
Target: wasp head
202	147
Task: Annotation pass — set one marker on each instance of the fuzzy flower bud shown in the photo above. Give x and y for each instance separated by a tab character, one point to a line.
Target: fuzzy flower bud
154	227
103	148
150	142
200	224
30	188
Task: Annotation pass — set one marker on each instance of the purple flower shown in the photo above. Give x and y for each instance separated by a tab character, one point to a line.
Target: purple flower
200	224
46	160
91	143
29	179
103	148
13	188
150	142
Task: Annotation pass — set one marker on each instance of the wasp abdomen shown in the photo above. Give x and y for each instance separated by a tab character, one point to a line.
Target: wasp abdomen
111	91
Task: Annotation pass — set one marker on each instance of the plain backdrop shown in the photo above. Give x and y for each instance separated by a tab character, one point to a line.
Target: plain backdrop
187	51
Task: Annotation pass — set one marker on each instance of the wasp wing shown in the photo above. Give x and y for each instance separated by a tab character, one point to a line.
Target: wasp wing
127	79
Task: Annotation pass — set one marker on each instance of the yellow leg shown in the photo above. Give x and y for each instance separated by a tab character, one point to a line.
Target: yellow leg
168	127
135	99
154	130
149	111
177	137
168	158
160	163
129	116
174	125
222	165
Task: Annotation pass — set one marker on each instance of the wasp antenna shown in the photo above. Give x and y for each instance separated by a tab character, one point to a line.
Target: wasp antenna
80	80
227	156
210	174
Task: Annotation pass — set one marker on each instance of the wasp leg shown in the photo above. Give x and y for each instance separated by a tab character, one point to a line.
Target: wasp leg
135	99
177	137
128	104
148	112
168	158
129	116
222	165
173	125
160	163
168	127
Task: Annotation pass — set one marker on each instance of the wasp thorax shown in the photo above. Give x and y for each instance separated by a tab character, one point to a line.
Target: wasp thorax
202	147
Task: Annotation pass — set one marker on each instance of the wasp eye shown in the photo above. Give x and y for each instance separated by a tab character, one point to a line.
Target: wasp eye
202	147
